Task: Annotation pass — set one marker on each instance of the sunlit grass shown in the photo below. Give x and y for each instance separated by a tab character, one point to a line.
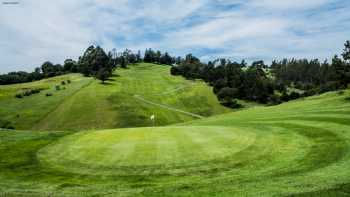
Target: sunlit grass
297	148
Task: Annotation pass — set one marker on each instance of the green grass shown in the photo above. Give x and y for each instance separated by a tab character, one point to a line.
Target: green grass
26	112
300	148
88	104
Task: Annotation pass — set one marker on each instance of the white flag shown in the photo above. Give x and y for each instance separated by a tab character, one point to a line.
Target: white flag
152	117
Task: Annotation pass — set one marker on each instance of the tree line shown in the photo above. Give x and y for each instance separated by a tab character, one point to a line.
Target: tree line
94	62
268	84
231	80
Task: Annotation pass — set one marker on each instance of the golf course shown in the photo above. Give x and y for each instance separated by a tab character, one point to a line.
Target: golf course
89	138
128	99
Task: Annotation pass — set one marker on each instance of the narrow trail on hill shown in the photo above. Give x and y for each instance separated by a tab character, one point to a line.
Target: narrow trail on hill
138	97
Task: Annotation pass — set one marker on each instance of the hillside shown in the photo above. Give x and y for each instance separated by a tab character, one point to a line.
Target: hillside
297	148
128	99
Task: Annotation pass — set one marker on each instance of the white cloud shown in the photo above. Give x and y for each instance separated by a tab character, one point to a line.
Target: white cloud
288	4
38	30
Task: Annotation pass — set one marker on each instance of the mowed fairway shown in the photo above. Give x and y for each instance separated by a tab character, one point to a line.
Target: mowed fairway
128	99
300	148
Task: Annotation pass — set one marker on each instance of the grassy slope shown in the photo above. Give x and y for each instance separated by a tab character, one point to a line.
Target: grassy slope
297	148
88	104
26	112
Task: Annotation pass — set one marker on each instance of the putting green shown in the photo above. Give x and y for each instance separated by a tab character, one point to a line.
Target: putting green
114	151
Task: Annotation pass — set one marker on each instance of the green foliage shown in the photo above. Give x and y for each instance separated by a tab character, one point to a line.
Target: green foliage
5	125
251	84
57	87
346	53
123	62
259	82
19	95
28	92
70	66
157	57
103	74
227	97
93	60
51	70
20	77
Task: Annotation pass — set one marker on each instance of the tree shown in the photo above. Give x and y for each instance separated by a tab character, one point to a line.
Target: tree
227	96
149	56
51	70
166	59
227	93
123	62
346	53
70	65
103	74
157	56
47	68
93	60
138	56
342	71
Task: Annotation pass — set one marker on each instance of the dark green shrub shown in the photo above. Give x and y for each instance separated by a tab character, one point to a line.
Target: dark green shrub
341	92
58	87
6	125
294	95
63	83
19	96
233	104
69	81
28	92
49	94
274	100
35	91
311	92
285	97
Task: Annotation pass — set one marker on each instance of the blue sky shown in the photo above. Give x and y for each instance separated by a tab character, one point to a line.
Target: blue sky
34	31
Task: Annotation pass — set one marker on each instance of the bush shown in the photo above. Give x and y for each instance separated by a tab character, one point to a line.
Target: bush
69	81
27	93
58	88
310	92
232	104
49	94
35	91
19	96
294	95
174	70
63	83
6	125
274	100
285	97
341	92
